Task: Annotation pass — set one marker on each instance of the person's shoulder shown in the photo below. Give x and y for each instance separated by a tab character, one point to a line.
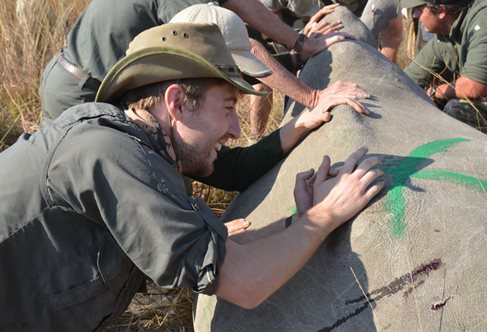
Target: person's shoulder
86	111
97	129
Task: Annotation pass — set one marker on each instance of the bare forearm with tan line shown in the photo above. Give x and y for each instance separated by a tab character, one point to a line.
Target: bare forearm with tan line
253	271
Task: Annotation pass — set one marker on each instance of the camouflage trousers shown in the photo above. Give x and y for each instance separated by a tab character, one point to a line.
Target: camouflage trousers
472	113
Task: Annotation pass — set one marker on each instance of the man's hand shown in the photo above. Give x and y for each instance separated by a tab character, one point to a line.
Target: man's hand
320	42
237	226
342	196
338	91
303	191
322	35
314	21
336	94
322	28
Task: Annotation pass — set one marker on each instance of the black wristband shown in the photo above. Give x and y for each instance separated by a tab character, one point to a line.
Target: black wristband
298	45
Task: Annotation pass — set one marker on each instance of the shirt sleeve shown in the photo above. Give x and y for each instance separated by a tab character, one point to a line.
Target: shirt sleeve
475	66
378	13
237	168
128	188
426	62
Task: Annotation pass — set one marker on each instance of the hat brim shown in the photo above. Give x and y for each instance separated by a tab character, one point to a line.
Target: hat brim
412	3
158	64
249	64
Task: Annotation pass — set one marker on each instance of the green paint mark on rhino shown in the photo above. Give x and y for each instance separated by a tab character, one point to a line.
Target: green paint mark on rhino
411	167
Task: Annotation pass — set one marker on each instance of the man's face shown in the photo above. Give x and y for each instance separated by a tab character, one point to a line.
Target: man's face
428	19
204	130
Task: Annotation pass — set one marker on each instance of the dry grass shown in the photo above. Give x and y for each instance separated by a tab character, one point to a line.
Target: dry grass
30	33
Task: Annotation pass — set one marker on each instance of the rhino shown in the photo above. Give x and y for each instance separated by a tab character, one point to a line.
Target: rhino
414	259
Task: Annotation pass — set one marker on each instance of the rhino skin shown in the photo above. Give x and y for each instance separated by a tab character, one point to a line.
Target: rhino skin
415	258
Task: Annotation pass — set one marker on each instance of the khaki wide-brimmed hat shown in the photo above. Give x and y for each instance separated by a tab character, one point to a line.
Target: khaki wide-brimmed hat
234	32
169	52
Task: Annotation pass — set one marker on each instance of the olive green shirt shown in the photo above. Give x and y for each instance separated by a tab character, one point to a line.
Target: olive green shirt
102	33
88	208
463	52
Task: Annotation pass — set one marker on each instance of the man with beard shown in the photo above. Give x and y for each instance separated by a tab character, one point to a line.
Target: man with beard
94	202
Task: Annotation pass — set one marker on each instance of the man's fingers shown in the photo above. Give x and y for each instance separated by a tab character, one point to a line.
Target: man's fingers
348	89
326	116
330	40
323	170
334	171
323	12
353	159
302	177
372	191
367	164
325	27
371	176
357	106
237	226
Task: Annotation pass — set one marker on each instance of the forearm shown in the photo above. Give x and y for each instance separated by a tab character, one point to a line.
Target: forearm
391	38
389	52
281	79
290	134
254	271
462	88
254	234
260	18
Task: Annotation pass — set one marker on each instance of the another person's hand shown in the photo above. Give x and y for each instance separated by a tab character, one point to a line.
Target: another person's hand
341	92
317	29
237	226
337	94
322	35
314	21
346	193
319	42
303	191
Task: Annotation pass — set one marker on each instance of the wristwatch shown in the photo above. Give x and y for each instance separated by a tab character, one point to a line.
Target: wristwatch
432	92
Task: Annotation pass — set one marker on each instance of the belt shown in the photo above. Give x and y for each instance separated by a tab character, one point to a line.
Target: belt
77	72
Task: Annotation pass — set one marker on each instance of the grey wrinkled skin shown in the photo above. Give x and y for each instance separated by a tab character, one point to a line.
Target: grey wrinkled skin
422	270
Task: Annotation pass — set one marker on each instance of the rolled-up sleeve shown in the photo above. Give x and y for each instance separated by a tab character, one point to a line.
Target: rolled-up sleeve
126	187
475	66
426	63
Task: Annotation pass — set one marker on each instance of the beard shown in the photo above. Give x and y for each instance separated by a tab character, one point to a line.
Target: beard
195	160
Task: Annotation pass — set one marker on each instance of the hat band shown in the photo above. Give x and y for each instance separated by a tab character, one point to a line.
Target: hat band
229	70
